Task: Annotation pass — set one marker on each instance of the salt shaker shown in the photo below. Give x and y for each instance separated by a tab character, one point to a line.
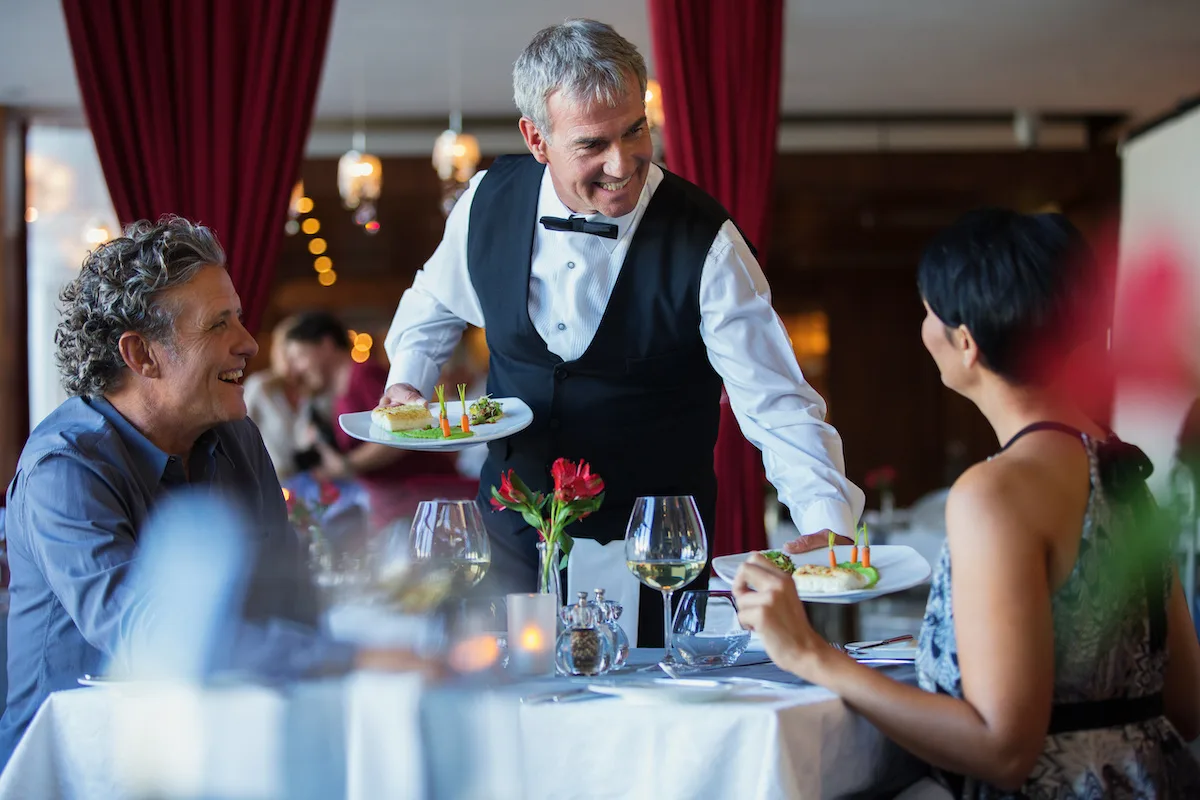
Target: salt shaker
610	612
584	647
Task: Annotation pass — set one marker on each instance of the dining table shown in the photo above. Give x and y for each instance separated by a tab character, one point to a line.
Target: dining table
365	736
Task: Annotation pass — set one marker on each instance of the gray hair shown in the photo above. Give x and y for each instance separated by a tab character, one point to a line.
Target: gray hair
119	289
583	59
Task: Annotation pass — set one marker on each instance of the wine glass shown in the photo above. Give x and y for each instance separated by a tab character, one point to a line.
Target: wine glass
449	535
666	549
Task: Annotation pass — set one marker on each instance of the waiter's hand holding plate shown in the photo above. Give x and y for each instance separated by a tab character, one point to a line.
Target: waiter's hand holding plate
399	394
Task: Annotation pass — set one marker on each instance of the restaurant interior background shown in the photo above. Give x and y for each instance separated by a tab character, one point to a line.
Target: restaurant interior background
896	118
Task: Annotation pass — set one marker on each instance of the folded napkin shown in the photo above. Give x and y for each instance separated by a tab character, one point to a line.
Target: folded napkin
602	566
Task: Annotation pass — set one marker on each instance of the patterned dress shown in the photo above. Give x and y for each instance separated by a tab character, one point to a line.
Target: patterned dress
1103	649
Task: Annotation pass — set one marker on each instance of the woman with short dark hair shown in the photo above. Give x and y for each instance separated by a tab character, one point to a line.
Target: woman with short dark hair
1057	657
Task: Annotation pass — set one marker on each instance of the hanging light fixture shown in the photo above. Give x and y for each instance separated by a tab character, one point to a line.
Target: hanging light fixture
296	207
360	174
360	180
455	157
455	154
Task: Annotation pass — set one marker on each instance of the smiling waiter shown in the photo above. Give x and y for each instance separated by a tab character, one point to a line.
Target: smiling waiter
616	297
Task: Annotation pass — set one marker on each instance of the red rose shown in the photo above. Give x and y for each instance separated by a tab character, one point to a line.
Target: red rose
329	494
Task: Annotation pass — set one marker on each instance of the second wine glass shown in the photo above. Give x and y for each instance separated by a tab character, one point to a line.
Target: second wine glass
450	535
666	549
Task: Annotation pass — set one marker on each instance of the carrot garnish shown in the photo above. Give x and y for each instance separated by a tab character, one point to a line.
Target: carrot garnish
866	551
462	398
832	555
442	416
854	550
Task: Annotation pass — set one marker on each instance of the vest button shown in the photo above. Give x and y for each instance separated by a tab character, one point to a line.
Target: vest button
560	374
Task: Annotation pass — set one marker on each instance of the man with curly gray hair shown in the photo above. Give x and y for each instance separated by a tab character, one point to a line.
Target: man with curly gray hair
152	350
618	299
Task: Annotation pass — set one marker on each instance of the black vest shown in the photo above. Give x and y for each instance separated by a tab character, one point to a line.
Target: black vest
641	405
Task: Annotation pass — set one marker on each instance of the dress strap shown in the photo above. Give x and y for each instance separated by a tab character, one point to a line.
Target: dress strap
1033	427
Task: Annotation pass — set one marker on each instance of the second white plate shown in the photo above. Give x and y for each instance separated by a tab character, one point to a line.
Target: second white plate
900	567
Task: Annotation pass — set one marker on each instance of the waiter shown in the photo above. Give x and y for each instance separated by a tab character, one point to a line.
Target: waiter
616	297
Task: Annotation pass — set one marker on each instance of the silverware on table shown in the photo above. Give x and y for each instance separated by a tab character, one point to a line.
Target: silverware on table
575	695
894	640
555	696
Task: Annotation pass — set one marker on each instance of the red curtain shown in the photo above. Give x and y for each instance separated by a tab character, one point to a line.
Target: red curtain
201	108
719	64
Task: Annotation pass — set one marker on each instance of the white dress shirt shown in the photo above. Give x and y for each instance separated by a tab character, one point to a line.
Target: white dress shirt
571	278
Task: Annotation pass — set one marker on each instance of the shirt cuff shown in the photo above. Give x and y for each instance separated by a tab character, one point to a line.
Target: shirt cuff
832	514
415	369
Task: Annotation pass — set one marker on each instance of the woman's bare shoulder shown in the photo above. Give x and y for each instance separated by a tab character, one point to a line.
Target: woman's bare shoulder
1026	490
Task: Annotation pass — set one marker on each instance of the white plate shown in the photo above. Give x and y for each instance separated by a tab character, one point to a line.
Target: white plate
900	567
517	417
668	690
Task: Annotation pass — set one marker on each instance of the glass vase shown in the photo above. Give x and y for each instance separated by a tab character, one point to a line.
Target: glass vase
549	579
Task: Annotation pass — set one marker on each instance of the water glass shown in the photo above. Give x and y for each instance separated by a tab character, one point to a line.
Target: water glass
706	630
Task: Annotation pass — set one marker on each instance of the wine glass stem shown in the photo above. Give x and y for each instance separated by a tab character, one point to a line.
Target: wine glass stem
667	626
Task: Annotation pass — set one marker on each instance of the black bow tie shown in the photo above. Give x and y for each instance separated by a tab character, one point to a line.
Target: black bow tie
580	225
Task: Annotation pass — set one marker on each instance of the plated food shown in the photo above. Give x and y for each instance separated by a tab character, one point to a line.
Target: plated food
816	578
406	417
485	411
413	420
838	576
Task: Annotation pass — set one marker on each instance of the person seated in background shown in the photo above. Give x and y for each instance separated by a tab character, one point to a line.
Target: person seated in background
151	348
1049	665
289	419
318	353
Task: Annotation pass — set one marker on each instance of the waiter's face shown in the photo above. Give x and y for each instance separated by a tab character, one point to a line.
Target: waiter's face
598	155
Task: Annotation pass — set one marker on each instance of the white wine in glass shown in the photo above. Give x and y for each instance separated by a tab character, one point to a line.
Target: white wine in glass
449	535
666	549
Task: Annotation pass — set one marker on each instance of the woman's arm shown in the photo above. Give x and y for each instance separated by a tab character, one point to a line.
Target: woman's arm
1005	640
1181	688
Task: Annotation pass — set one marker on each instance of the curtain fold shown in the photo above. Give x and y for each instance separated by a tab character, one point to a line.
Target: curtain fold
719	65
201	108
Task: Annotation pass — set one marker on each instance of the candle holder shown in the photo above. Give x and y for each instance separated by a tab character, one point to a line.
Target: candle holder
532	633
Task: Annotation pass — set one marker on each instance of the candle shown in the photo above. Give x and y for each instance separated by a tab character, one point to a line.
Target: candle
532	629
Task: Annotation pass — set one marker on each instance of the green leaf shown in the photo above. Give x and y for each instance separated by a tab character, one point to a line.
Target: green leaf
520	486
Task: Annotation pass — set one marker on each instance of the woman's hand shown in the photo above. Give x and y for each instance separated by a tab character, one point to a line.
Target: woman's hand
769	605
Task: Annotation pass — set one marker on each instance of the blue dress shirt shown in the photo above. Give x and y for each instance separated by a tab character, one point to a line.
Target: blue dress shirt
86	481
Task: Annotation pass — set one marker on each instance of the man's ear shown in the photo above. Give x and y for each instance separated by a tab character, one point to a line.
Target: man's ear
138	355
534	139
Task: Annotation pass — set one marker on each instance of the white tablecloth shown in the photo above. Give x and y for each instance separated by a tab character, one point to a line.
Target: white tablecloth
383	736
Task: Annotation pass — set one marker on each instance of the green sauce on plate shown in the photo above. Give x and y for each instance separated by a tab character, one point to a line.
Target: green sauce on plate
456	432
